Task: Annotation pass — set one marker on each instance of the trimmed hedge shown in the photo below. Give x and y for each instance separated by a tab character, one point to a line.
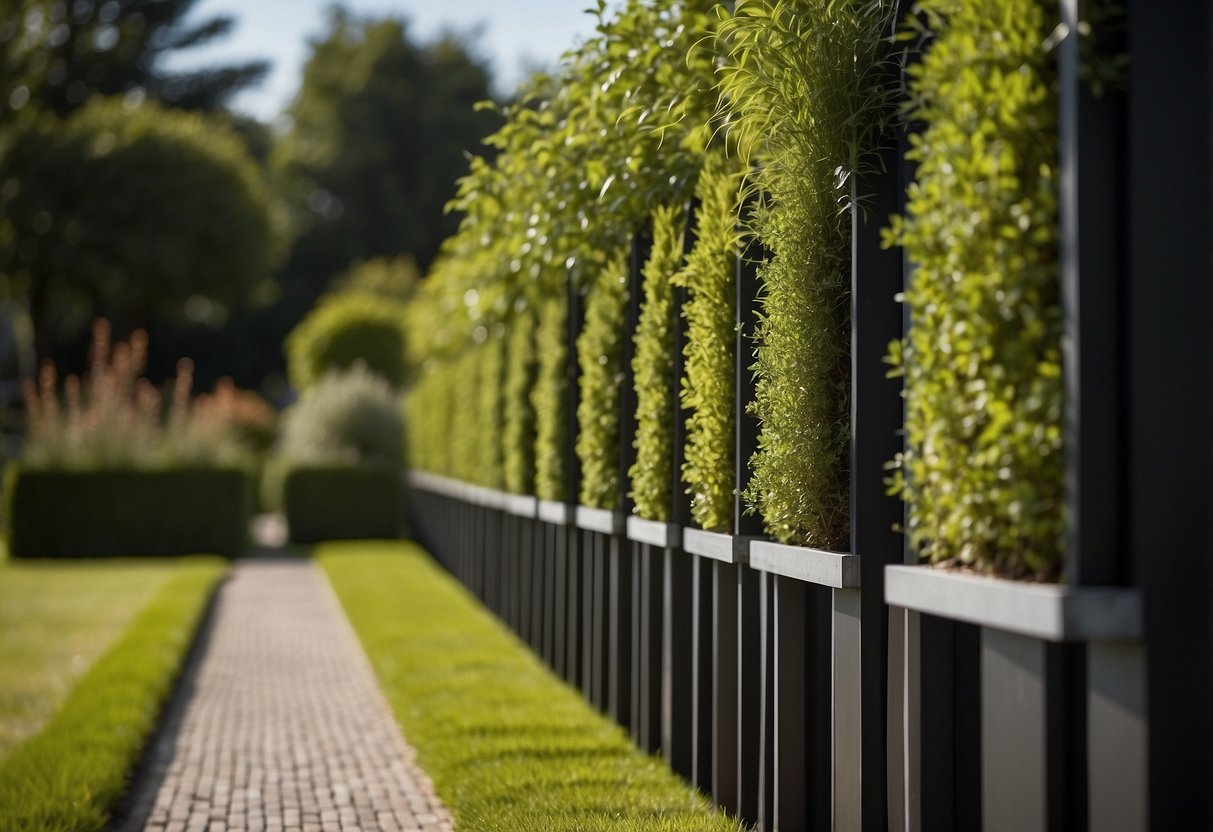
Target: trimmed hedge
343	502
347	328
983	471
549	398
490	415
518	434
127	512
653	369
600	356
804	85
707	387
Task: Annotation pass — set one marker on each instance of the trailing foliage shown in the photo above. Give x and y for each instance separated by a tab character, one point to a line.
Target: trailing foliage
707	387
518	433
549	399
982	468
344	329
806	88
653	370
600	357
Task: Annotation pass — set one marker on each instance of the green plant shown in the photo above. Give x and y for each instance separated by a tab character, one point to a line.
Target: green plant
806	87
982	467
653	369
69	776
108	512
489	427
509	747
344	329
348	417
550	398
600	357
343	502
518	432
707	387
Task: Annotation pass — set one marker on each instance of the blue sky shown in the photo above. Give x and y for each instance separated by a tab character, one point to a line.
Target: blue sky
514	35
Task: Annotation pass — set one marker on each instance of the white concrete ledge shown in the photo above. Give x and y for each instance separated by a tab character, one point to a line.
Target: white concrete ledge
654	532
714	545
552	511
601	520
839	570
435	484
520	505
1053	612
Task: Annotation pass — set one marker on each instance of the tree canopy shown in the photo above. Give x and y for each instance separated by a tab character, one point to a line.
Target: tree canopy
55	55
381	129
120	210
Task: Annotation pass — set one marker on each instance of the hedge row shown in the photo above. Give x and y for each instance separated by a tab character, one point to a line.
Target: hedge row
678	99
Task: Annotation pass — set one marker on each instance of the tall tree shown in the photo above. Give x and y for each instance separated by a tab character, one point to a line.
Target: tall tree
55	54
381	129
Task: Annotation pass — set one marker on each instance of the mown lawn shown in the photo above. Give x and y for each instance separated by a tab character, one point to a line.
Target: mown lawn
88	653
509	746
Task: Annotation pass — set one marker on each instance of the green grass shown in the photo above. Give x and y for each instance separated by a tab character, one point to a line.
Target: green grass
508	745
88	652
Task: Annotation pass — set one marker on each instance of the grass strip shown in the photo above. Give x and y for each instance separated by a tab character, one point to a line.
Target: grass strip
508	745
69	776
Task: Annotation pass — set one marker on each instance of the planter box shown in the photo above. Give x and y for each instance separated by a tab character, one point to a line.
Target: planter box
727	548
1052	612
131	512
654	532
520	505
601	520
839	570
553	511
343	503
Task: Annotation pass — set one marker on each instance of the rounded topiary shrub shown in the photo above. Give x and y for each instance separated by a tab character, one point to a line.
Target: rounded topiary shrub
347	417
344	329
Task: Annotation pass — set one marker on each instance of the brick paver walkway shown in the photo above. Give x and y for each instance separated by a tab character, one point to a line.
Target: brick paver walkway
281	725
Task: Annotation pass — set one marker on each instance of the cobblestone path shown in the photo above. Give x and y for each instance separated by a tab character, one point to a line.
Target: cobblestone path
280	724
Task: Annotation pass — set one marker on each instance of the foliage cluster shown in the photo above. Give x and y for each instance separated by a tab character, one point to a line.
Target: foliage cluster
518	414
342	502
114	418
549	397
509	747
123	209
600	358
347	328
806	89
982	468
346	418
709	383
71	774
652	474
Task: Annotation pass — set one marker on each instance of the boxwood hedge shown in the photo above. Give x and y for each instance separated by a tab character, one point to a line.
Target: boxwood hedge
653	368
982	467
707	387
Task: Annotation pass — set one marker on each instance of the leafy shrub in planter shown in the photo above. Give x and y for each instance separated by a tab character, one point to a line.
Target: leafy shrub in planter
344	329
982	468
343	502
107	512
486	464
600	356
809	100
549	400
707	387
653	368
518	433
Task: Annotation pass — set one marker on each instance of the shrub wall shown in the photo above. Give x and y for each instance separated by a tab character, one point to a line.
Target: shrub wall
518	434
804	84
127	512
982	470
344	329
652	475
343	502
707	387
600	357
549	398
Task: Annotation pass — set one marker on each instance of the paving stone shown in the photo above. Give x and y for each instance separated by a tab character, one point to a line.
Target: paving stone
280	724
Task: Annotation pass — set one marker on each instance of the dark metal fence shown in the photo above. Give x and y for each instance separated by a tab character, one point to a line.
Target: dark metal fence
857	690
